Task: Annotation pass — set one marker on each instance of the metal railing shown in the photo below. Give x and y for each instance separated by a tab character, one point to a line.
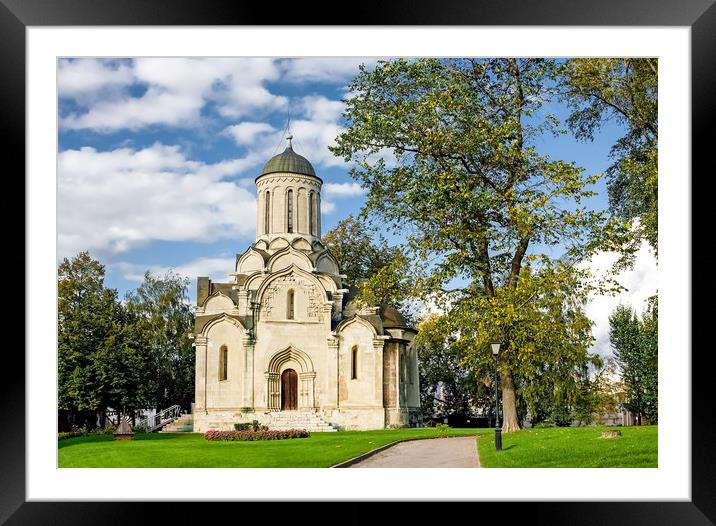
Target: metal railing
162	418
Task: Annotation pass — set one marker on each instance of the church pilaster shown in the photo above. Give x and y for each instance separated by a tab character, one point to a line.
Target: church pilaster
334	359
200	347
378	344
248	373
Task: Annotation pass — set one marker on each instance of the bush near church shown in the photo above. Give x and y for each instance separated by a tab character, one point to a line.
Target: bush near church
256	435
250	426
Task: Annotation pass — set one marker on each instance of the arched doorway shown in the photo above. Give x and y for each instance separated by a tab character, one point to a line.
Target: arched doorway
289	390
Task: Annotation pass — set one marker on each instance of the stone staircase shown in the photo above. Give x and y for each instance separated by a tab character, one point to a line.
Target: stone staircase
308	420
183	424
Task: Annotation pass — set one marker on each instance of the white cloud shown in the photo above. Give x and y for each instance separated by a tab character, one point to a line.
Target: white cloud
81	78
217	268
313	131
327	207
247	133
176	91
323	69
640	283
343	189
115	200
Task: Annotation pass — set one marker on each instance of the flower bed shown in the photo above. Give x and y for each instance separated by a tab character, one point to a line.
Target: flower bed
256	435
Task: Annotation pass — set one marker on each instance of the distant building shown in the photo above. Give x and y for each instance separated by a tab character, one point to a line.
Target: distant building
281	343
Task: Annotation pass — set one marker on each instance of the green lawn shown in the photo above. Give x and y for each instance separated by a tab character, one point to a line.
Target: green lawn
571	447
190	450
537	448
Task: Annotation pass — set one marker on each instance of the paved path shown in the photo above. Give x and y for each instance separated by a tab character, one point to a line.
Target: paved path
433	453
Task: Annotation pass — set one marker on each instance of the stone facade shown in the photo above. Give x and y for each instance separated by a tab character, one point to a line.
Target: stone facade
281	336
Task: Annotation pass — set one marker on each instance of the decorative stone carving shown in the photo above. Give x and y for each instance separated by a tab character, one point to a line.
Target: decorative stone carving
280	285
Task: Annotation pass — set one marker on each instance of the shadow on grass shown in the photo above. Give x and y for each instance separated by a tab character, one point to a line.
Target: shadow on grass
164	436
87	439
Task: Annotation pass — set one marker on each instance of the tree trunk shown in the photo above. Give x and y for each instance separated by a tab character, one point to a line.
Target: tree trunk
509	404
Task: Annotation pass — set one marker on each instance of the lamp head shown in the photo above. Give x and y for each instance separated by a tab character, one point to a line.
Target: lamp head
495	348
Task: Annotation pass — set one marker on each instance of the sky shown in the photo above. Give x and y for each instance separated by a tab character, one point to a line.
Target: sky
157	159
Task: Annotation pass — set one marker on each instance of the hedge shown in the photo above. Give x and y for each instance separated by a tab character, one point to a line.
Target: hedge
256	435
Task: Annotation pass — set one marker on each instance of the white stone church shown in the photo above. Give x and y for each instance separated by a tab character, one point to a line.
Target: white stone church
282	344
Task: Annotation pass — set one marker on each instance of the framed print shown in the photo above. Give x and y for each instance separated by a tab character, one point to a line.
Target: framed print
230	69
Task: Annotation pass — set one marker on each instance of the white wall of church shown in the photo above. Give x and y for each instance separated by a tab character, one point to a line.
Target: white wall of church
222	393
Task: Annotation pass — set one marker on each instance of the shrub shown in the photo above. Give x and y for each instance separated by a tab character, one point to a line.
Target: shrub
250	426
257	427
69	434
141	428
109	429
256	435
442	428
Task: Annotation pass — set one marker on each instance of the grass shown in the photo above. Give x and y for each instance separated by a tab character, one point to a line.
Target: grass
190	450
570	447
559	447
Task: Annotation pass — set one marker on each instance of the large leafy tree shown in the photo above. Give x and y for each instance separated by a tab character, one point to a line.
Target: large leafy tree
162	321
376	269
476	198
622	90
634	341
97	364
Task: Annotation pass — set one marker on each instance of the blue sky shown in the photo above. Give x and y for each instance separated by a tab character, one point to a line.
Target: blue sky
157	156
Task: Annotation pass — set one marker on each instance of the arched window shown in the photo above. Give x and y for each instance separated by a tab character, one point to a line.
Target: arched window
311	213
299	223
290	302
267	215
354	362
289	211
223	363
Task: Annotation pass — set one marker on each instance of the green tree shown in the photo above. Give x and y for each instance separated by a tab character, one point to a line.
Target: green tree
442	369
162	321
625	90
471	191
635	345
377	270
91	324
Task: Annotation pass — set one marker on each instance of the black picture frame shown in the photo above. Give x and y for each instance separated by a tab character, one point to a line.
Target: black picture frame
699	15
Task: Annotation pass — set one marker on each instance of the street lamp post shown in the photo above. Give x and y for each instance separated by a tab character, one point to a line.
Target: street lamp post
498	430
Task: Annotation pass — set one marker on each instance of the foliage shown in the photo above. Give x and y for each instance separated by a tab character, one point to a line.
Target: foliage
468	186
546	339
97	363
70	434
141	428
162	321
635	345
124	357
377	270
442	372
253	426
624	90
442	428
242	426
109	429
256	435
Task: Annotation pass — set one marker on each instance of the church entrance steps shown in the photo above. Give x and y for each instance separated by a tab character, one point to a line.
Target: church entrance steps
183	424
310	421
